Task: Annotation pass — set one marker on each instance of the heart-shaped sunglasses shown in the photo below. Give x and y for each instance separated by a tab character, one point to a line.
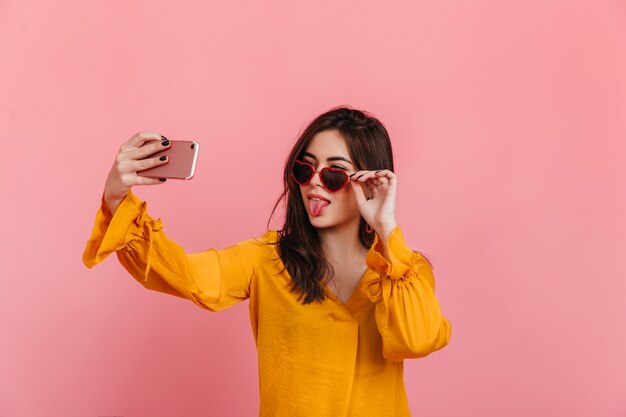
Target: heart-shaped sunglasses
333	179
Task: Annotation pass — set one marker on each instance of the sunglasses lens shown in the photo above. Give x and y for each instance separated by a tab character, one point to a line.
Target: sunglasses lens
334	179
302	172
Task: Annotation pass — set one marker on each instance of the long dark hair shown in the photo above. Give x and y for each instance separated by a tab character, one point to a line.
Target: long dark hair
300	245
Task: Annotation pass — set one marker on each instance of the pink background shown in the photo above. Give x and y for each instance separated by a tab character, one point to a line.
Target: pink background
508	121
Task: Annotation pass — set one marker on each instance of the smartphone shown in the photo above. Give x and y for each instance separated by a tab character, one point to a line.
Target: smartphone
181	164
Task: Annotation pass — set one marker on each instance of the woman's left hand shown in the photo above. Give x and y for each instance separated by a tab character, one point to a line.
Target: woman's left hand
376	196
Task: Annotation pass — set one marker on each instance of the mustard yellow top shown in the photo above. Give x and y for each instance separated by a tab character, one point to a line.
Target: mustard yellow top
326	359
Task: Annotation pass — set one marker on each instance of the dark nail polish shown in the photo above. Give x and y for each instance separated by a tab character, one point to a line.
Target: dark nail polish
165	142
162	179
163	137
359	176
352	174
163	158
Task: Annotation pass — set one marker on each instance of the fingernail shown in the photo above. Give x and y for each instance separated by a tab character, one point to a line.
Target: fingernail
163	158
162	179
352	174
359	176
163	137
379	170
165	142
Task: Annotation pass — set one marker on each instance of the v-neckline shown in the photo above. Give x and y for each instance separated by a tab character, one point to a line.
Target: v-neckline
356	290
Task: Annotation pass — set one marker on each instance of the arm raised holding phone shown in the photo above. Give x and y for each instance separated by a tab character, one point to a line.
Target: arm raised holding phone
213	279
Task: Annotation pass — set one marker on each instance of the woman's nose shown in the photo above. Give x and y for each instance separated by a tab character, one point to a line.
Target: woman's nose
316	179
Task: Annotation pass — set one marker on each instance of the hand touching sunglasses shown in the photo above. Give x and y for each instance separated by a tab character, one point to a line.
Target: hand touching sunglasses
333	179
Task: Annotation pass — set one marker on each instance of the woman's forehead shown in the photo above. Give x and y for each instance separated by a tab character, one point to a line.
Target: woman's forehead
326	144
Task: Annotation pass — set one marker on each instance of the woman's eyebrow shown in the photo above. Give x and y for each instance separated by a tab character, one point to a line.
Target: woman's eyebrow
329	159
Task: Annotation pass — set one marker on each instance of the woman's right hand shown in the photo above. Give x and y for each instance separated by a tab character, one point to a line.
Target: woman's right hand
129	160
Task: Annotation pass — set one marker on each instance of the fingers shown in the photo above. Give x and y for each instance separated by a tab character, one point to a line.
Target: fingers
148	149
134	157
147	163
139	139
128	171
380	177
131	158
127	164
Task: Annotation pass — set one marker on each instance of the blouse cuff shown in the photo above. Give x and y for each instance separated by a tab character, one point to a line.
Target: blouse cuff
378	286
112	232
402	257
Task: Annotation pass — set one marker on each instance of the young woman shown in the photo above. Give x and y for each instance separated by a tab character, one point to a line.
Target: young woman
337	298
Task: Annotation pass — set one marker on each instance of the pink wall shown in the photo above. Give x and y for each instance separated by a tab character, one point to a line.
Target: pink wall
509	126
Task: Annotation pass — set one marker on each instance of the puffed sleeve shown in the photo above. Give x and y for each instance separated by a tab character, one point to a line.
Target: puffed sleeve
408	315
212	279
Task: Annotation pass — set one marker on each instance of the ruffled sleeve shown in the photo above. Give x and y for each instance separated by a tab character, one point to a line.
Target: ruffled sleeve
408	314
213	279
113	233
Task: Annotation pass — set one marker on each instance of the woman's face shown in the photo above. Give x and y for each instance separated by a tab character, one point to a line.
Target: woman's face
336	209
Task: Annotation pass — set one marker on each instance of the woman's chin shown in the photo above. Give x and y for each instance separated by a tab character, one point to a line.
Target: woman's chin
319	223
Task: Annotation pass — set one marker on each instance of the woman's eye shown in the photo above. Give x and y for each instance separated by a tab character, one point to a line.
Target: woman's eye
339	167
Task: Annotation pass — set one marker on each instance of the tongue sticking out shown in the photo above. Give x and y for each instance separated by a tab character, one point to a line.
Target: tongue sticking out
317	206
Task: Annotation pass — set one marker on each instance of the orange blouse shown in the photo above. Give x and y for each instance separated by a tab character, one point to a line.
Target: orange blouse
321	359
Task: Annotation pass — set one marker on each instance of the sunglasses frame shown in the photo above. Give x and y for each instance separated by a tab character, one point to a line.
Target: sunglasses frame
347	177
